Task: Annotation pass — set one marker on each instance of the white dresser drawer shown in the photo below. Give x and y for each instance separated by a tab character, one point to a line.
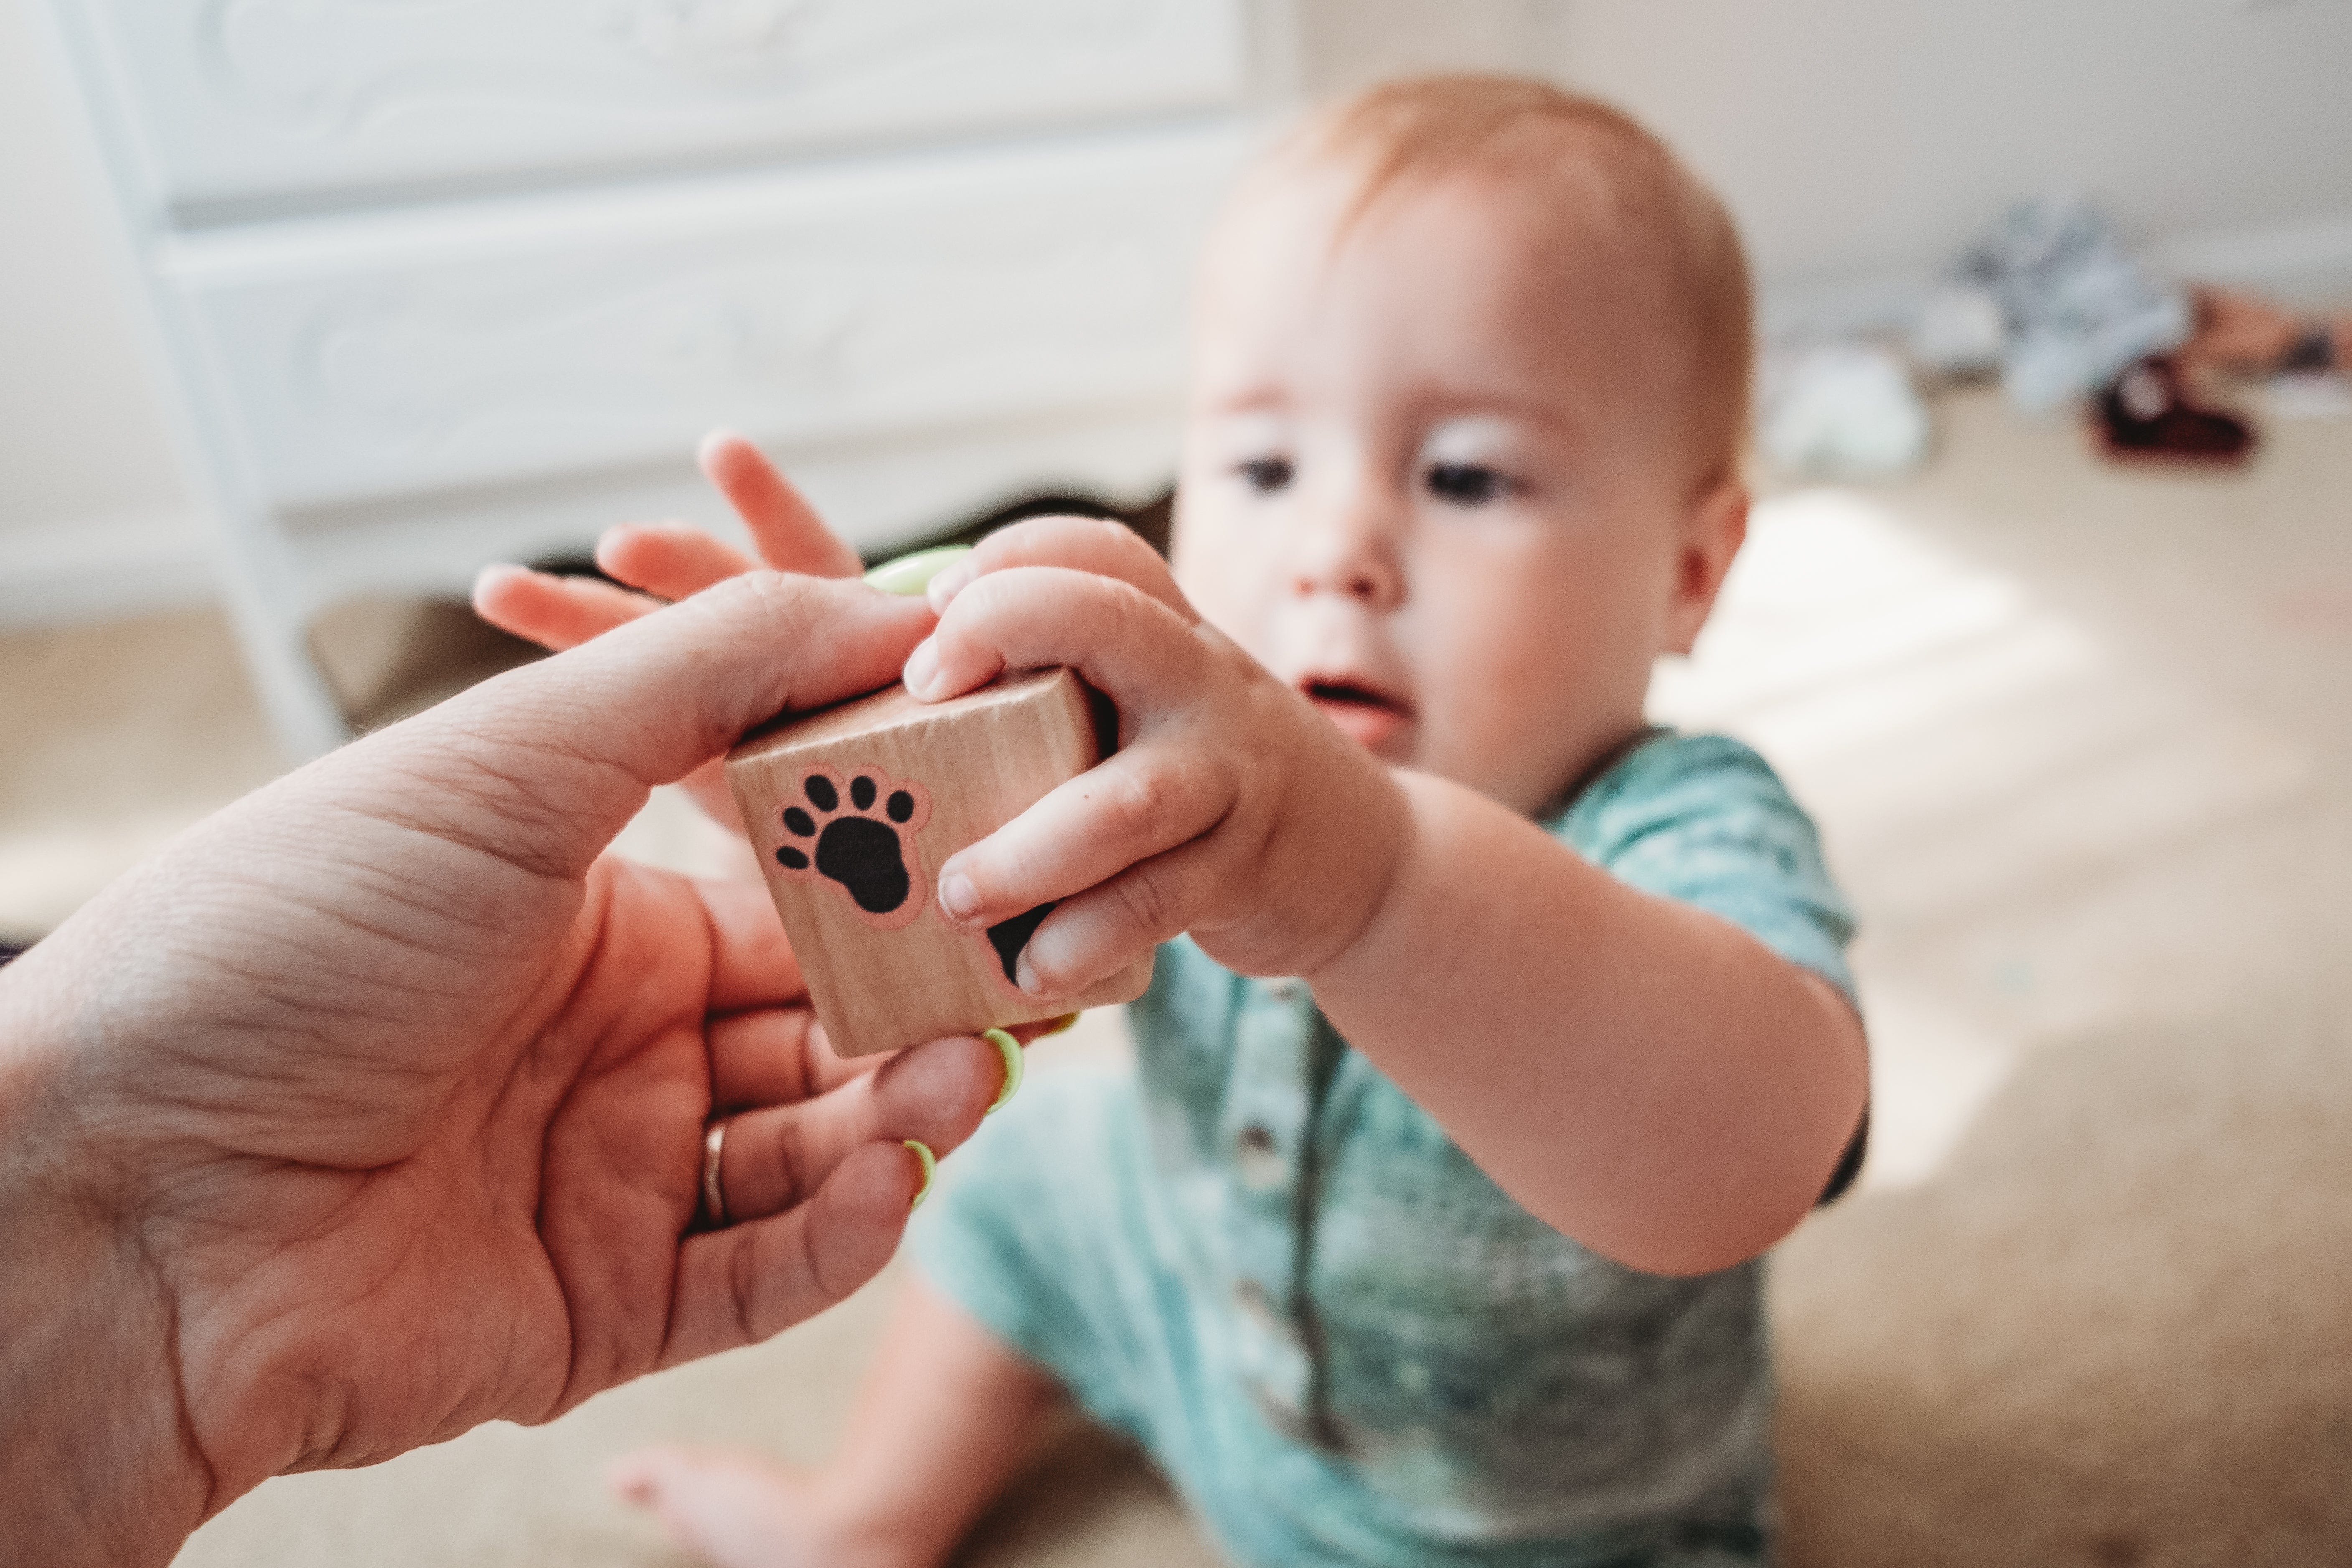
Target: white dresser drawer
234	105
362	358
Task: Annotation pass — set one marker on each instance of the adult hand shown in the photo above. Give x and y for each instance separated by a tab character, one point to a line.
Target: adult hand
373	1107
663	561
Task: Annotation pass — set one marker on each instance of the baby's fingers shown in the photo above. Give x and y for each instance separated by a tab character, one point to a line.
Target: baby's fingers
554	612
786	531
1103	930
1141	802
1136	650
674	560
1081	543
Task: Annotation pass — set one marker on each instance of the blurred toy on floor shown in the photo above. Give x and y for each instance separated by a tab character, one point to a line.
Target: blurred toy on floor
2052	301
1842	410
2304	360
2078	309
2146	413
2243	334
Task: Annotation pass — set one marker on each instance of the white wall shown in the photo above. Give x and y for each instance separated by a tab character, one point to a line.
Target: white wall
1861	138
94	513
1859	141
1344	44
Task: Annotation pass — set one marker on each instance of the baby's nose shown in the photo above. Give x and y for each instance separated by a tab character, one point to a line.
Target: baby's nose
1351	552
1357	582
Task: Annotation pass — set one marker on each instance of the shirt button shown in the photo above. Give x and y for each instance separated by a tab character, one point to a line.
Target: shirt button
1285	1416
1259	1159
1257	1305
1286	989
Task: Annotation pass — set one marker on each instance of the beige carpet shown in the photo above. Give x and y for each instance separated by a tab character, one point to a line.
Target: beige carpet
2081	742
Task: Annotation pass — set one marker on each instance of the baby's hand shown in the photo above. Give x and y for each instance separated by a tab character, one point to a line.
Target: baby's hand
1232	810
669	560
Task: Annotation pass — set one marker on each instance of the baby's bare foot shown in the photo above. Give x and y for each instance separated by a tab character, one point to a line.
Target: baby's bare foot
740	1510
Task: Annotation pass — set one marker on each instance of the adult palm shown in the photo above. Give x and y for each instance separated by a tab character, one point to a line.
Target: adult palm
382	1095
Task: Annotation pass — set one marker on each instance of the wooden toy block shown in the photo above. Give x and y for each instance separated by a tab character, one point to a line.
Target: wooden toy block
854	809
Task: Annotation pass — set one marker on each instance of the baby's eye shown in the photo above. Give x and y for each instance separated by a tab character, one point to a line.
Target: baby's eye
1265	475
1467	484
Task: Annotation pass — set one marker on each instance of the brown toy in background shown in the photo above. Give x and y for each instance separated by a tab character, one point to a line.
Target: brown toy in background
854	809
2245	334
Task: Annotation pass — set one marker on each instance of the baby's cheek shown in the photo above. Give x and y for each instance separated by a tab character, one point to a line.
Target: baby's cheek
1461	746
1487	683
1233	592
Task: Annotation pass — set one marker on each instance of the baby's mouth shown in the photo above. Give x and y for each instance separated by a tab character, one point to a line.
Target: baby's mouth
1365	714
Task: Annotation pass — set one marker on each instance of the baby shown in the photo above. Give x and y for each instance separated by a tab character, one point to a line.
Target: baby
1495	1033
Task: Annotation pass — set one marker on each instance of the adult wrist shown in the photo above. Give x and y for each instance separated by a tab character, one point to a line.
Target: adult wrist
96	1464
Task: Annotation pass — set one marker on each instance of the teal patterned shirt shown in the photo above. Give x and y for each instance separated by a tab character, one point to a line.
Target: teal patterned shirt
1372	1352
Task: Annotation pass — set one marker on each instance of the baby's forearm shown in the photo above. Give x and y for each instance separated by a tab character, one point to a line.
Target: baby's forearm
1640	1075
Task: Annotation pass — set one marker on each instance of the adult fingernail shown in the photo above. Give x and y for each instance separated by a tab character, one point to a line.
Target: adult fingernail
1015	1066
911	574
1062	1026
923	668
930	1165
1025	977
958	897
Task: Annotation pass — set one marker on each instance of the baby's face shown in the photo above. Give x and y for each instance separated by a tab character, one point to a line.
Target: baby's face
1432	477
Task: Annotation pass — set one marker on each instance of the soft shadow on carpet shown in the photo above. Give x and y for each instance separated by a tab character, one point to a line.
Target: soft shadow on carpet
2111	1330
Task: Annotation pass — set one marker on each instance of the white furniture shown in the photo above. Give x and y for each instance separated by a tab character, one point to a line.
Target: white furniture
440	282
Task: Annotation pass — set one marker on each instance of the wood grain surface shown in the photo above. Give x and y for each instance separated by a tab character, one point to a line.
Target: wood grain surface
854	809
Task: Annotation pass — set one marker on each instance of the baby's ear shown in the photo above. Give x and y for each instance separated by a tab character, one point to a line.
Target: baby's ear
1712	533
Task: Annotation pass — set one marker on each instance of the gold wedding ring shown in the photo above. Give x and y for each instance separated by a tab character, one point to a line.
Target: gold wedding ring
714	1197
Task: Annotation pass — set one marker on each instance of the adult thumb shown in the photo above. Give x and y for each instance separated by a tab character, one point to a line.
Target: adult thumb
564	750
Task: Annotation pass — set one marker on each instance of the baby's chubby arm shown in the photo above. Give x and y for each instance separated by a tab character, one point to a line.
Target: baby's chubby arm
1641	1075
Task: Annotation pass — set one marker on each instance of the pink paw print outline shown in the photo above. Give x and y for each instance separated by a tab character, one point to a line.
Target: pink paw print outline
858	832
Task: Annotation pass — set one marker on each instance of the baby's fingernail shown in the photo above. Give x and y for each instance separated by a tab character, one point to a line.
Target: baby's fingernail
628	1477
497	571
911	574
1025	975
930	1165
1015	1066
923	668
958	897
1062	1026
949	582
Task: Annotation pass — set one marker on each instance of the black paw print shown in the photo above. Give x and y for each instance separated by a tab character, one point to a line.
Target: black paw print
867	846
